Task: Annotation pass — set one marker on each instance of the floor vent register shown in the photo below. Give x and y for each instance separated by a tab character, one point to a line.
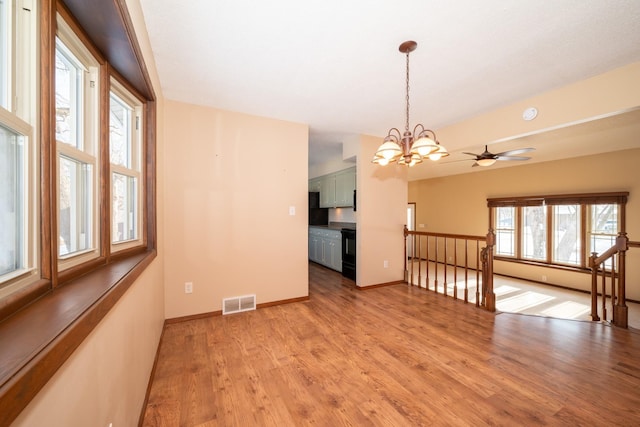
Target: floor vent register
238	304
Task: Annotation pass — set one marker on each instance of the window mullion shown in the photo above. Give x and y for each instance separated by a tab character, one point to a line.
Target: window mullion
550	237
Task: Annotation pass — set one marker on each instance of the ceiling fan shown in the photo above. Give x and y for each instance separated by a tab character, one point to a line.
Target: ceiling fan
487	158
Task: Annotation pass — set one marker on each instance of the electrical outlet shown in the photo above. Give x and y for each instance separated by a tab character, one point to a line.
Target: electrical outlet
292	210
420	225
450	259
386	263
188	287
544	278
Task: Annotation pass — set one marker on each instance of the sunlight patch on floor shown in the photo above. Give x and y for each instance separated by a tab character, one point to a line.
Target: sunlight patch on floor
522	302
567	310
504	289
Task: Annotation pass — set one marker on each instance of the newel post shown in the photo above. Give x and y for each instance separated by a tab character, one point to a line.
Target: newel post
406	271
594	286
620	309
490	301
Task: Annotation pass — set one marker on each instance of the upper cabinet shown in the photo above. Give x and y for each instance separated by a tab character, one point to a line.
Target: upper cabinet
336	189
315	185
345	185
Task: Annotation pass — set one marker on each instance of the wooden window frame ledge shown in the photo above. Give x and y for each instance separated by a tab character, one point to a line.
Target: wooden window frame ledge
37	340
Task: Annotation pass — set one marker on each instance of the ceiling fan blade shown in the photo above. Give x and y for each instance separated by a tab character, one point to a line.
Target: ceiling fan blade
456	161
517	151
475	164
511	158
472	154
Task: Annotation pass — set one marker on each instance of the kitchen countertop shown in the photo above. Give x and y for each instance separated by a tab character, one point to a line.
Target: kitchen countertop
336	225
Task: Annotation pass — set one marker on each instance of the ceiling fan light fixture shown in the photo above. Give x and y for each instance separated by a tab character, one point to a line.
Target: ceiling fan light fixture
485	162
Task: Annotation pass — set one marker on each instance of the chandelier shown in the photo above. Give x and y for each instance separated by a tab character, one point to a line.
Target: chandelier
409	148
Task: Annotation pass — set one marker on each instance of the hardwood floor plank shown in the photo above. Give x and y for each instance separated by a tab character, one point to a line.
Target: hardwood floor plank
392	356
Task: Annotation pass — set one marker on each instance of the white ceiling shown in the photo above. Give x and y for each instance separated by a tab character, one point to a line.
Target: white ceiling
335	65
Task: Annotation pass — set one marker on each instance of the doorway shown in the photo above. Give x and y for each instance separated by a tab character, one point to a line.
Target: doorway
411	226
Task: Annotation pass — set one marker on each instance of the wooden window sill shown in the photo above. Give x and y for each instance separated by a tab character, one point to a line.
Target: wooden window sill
38	339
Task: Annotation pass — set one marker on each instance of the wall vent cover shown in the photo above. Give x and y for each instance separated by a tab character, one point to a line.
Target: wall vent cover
238	304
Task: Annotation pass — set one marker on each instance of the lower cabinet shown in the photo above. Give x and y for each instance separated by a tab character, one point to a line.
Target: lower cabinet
325	247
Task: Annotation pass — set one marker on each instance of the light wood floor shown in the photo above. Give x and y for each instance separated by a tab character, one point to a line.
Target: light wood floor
392	356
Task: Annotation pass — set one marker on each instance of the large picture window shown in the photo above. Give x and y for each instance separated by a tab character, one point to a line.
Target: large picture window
559	230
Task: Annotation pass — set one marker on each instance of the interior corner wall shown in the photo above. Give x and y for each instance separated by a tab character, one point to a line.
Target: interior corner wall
381	217
231	181
458	204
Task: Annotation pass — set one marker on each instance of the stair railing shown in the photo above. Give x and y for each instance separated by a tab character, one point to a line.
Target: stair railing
432	259
616	255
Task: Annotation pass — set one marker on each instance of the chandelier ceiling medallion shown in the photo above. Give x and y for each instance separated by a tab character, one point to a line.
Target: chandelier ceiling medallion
409	148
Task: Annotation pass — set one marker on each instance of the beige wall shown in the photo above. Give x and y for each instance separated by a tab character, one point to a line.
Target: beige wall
105	379
458	204
600	96
230	180
381	216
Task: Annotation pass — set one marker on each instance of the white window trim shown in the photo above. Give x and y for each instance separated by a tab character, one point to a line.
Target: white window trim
89	153
135	171
23	112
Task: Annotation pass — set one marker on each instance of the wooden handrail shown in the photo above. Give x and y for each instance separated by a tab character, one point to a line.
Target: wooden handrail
457	243
447	235
620	245
617	271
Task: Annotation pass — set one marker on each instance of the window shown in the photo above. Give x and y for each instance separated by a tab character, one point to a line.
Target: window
506	231
76	130
603	228
534	239
558	230
567	247
12	210
125	130
5	53
55	195
18	149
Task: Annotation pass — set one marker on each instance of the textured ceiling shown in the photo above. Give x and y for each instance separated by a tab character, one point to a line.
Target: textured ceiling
335	64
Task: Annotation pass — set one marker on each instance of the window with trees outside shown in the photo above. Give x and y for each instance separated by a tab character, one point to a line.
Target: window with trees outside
77	180
561	230
125	130
77	130
19	230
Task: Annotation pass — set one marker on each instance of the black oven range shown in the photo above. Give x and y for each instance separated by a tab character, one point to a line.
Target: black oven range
349	253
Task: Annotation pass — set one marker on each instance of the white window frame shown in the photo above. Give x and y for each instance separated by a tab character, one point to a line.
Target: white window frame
134	169
513	231
20	75
68	41
555	221
590	232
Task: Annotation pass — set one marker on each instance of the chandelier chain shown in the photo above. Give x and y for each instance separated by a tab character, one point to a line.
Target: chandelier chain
406	126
